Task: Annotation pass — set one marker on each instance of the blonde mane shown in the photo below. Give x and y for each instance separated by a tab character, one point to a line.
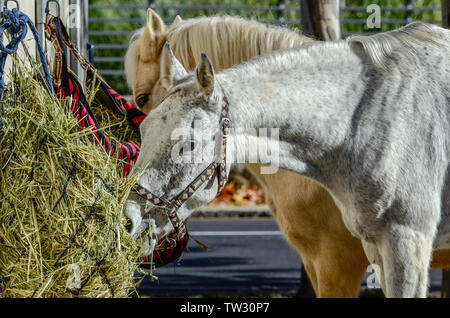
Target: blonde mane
228	41
131	58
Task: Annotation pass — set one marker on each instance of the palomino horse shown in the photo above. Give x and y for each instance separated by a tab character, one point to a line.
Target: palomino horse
368	118
307	214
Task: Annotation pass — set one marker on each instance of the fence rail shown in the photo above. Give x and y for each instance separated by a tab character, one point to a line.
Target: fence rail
110	26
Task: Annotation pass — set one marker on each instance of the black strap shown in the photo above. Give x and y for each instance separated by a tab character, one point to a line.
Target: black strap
103	95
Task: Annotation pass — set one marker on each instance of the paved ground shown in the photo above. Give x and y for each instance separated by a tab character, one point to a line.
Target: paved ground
247	257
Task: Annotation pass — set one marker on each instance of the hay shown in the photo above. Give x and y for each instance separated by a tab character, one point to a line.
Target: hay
62	231
112	123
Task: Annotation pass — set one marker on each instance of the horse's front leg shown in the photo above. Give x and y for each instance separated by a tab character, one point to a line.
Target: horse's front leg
404	256
336	268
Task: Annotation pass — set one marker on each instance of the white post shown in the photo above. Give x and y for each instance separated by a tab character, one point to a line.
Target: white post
74	15
320	19
28	8
77	26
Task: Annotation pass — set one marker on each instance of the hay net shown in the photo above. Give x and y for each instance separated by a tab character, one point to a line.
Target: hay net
62	233
67	85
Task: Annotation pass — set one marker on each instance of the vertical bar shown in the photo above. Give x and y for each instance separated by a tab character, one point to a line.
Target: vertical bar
2	5
39	21
409	11
280	11
77	25
320	19
84	36
40	18
446	13
445	293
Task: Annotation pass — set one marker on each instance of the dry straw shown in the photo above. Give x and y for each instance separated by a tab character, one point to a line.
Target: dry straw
112	123
62	231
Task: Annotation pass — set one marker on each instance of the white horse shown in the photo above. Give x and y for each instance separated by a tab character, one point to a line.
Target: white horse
367	118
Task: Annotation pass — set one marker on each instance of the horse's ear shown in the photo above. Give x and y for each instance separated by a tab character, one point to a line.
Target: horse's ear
205	76
153	38
155	24
176	20
171	68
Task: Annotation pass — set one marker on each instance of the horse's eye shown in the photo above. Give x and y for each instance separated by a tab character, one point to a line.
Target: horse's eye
142	100
187	146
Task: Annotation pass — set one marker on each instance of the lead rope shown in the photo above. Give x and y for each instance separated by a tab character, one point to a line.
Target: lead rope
17	24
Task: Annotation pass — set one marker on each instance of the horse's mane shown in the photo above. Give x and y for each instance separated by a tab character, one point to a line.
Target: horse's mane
228	40
406	40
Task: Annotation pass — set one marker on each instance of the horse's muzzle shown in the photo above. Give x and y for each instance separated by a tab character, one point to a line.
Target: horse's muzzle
167	251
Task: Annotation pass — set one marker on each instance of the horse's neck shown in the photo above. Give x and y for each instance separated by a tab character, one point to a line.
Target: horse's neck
310	98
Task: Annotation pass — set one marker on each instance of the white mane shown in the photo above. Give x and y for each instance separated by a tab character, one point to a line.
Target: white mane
380	47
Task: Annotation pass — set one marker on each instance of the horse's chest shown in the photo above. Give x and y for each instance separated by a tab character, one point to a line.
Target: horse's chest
352	217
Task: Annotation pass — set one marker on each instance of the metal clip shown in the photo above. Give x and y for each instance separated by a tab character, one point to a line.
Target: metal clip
5	6
225	124
47	7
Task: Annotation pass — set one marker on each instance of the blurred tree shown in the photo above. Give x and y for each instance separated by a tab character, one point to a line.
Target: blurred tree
320	19
446	13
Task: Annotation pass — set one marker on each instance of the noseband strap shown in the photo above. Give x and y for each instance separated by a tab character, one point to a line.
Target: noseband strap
219	166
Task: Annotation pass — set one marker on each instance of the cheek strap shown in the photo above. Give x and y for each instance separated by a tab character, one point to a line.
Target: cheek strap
219	166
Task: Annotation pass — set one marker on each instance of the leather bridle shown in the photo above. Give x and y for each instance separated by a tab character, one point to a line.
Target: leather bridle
218	165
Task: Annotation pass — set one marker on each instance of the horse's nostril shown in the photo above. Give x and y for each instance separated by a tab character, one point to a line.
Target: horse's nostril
133	219
129	225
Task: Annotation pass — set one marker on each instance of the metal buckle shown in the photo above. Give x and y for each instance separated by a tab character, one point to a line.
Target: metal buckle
222	126
167	243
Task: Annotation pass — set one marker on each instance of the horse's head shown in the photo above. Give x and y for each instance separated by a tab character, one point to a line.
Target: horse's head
182	145
142	62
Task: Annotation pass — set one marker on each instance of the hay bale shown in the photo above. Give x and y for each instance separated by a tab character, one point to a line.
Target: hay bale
114	124
62	230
